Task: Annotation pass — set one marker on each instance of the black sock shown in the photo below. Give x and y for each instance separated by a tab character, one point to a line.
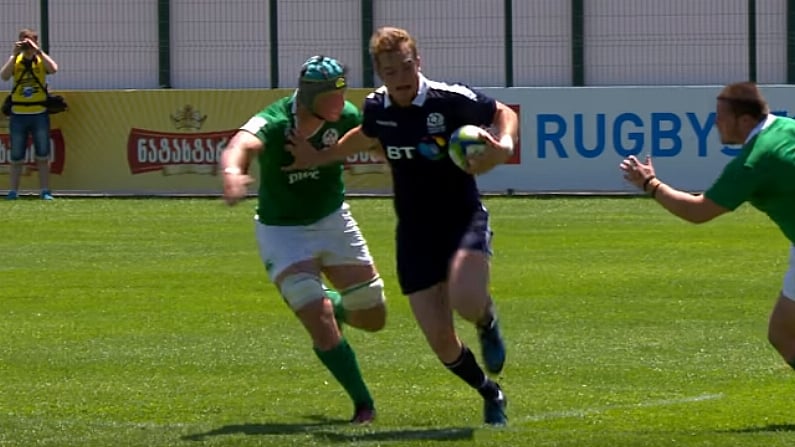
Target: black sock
467	368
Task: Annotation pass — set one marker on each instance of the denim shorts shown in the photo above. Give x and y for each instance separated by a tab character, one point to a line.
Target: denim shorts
37	127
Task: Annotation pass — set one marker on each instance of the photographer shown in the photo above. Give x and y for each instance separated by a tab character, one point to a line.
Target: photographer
28	67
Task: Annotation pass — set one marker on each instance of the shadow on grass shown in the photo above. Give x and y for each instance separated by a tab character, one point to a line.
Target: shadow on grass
430	434
318	426
770	428
315	422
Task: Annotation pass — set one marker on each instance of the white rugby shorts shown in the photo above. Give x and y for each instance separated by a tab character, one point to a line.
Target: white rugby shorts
333	240
788	289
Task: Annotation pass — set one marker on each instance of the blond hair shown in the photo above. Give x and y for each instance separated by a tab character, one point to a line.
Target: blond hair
389	39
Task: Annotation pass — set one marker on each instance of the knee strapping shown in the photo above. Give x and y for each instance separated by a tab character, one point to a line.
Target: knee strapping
300	289
365	295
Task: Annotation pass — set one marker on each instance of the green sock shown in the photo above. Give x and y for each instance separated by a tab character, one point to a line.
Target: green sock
336	300
341	361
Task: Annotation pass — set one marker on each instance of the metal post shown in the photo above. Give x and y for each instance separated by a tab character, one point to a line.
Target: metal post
164	42
790	43
368	79
577	43
274	37
752	40
44	18
508	8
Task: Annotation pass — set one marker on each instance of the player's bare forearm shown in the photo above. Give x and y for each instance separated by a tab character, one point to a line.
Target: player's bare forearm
234	159
240	150
377	150
689	207
692	208
353	142
506	121
235	162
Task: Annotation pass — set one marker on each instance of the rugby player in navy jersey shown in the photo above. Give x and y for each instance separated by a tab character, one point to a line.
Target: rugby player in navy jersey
443	233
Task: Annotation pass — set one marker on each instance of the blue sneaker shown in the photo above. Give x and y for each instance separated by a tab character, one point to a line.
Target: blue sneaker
492	346
46	195
494	409
12	195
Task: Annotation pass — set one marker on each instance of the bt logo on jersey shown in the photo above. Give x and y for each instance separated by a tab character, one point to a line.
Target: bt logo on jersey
400	152
430	147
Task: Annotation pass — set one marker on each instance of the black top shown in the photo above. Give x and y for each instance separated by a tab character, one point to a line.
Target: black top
428	186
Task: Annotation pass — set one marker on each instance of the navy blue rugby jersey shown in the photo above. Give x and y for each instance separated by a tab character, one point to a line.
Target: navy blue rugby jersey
428	187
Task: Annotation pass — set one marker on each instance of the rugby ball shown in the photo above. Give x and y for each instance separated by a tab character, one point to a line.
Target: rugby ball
464	142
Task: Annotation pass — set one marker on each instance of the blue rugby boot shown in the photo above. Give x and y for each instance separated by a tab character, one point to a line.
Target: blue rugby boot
492	346
494	408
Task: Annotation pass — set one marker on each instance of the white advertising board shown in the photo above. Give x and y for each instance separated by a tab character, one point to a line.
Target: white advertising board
573	139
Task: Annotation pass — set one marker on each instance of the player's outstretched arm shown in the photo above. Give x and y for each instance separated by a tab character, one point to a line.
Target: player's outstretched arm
689	207
235	160
307	157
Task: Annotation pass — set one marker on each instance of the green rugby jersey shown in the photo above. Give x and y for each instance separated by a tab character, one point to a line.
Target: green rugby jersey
764	175
297	197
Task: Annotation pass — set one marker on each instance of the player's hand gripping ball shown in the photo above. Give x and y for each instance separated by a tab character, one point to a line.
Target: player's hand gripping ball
466	141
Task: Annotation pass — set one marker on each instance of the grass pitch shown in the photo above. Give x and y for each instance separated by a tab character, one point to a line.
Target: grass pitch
151	323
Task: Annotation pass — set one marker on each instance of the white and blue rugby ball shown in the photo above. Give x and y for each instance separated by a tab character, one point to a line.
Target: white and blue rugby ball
465	141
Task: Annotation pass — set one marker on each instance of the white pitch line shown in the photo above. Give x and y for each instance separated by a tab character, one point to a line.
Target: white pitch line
596	410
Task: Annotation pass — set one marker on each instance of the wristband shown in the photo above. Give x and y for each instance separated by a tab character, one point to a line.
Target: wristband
654	190
232	170
506	142
646	182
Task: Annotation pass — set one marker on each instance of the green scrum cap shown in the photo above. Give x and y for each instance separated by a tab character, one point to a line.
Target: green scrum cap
319	74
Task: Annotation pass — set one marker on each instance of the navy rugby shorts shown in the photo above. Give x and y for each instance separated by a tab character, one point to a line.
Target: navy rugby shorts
424	251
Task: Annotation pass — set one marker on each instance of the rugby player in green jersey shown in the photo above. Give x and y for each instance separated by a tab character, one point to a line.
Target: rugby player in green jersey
304	228
763	174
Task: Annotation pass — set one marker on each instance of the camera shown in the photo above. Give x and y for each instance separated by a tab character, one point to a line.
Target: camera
26	46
